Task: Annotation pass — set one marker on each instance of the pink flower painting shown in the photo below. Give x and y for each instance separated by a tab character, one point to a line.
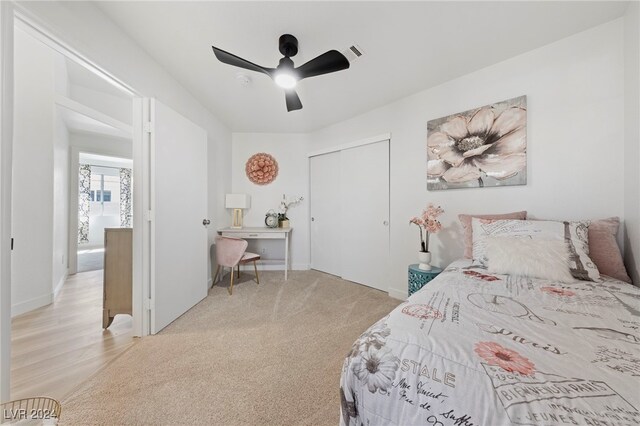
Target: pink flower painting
507	359
557	291
486	146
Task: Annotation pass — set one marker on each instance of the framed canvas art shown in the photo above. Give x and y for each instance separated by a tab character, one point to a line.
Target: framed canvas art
482	147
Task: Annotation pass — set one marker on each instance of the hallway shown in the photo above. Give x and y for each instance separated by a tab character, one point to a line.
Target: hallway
57	347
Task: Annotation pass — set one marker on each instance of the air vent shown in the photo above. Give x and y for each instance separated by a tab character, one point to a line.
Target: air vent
353	52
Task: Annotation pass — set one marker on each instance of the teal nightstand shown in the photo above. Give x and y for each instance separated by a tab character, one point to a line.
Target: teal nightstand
419	278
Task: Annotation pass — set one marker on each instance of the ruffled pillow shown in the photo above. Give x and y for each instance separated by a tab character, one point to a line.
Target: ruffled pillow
535	258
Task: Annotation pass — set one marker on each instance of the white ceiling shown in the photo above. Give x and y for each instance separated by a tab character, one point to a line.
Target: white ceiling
104	160
409	46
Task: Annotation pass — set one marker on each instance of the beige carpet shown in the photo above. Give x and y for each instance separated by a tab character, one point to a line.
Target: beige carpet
270	354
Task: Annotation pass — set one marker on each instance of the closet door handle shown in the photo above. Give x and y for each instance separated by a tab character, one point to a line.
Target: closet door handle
385	223
206	222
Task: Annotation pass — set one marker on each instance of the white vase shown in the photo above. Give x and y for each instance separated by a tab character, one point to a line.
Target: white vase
425	260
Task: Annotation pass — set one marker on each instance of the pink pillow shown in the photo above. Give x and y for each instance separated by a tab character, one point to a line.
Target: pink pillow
465	220
604	250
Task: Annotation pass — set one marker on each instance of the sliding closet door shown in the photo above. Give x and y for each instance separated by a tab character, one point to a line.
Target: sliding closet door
365	214
325	209
179	206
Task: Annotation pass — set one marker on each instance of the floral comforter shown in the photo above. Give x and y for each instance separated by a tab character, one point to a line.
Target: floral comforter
473	348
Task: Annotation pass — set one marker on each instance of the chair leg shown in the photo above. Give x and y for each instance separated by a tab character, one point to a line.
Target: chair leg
238	271
255	268
231	286
215	277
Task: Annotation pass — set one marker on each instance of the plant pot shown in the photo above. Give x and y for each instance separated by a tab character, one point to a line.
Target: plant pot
284	223
424	257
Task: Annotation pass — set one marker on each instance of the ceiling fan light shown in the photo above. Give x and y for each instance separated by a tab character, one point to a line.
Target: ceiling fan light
285	80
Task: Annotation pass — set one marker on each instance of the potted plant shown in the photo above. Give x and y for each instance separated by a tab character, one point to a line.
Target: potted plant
285	205
428	224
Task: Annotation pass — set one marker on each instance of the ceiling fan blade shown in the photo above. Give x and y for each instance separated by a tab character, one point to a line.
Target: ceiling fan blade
236	61
293	101
326	63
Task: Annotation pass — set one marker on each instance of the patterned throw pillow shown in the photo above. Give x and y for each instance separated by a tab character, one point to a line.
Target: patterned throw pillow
465	221
575	234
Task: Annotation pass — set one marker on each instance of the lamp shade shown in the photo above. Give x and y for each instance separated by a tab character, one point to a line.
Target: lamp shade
237	201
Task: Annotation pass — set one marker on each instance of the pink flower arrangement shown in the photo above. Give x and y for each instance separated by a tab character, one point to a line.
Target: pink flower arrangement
428	222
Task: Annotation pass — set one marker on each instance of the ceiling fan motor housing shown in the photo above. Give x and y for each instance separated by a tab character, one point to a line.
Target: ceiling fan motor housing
288	45
285	63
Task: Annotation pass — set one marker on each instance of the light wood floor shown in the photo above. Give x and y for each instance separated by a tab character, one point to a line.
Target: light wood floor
57	347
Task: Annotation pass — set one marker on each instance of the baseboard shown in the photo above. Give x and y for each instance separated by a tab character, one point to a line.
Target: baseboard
398	294
30	305
263	266
63	279
301	266
209	282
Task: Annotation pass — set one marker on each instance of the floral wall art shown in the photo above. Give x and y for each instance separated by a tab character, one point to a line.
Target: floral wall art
482	147
261	168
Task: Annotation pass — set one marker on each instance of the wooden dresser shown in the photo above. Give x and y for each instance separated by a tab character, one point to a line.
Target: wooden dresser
118	273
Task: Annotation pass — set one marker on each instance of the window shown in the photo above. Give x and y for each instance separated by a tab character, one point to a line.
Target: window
100	196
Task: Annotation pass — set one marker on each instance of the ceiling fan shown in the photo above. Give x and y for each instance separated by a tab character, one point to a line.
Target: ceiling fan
285	74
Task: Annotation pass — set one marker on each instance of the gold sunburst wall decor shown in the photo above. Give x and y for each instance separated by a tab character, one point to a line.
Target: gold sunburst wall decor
261	168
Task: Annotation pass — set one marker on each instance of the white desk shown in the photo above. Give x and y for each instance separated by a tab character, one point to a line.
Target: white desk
262	233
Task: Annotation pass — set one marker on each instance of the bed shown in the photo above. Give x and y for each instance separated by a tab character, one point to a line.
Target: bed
474	348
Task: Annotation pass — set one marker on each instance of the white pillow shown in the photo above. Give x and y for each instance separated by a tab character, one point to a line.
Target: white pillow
575	234
535	258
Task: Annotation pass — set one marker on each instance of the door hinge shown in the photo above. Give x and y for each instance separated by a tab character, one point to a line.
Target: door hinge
148	305
149	215
148	127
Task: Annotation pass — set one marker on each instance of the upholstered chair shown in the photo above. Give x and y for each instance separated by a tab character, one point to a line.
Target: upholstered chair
231	253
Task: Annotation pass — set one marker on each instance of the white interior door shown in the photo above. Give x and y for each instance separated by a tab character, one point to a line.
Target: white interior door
365	214
324	175
179	206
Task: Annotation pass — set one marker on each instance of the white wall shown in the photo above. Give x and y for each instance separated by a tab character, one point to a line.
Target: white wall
575	141
32	203
85	28
86	142
60	182
632	139
60	188
6	148
290	151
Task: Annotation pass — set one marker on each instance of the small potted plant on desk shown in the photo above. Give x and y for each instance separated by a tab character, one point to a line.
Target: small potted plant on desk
428	223
283	220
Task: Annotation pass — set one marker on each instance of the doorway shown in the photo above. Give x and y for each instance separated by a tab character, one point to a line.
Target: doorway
349	206
165	145
64	115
